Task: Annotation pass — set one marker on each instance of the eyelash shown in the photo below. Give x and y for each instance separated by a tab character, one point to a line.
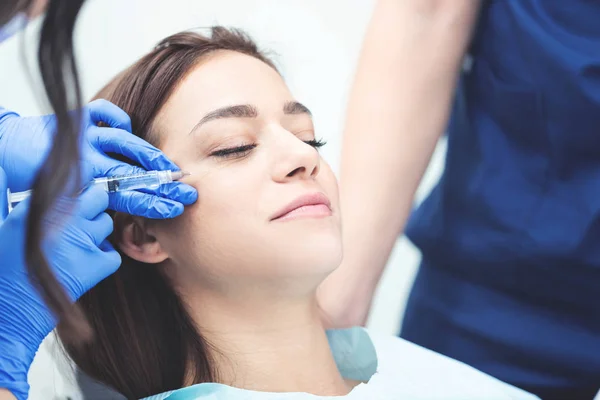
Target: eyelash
239	151
244	150
316	143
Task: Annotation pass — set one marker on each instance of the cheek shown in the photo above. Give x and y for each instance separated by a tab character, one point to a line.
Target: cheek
217	230
225	194
329	183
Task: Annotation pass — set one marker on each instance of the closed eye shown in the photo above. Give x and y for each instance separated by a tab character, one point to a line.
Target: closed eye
234	152
244	150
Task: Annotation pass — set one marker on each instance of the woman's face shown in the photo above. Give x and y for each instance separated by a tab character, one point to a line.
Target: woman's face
268	209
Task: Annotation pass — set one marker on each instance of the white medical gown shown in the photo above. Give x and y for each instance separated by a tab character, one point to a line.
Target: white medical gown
392	369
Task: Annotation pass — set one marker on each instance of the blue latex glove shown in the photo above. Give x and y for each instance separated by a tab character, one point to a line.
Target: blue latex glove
25	142
78	254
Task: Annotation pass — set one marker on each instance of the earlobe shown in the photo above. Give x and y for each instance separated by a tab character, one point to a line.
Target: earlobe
135	242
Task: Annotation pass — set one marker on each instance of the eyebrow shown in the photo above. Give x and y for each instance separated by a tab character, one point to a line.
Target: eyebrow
248	111
294	108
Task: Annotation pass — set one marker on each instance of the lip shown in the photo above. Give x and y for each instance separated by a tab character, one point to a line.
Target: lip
312	199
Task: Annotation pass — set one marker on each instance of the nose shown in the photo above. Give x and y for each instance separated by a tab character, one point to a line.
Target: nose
296	160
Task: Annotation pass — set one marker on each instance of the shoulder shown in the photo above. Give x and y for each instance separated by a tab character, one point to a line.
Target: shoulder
422	373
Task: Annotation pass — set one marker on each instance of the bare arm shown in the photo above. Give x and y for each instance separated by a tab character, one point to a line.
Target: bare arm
398	108
6	395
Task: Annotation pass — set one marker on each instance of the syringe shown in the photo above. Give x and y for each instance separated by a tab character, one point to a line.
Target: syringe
112	184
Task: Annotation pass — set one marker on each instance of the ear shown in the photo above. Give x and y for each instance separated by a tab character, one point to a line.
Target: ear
135	242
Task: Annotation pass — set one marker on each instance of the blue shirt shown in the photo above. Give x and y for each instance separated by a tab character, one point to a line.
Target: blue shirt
511	234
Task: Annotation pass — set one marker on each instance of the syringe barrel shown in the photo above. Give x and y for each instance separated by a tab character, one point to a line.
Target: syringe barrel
147	180
14	198
18	197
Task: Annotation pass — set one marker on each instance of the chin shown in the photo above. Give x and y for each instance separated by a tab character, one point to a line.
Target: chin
318	256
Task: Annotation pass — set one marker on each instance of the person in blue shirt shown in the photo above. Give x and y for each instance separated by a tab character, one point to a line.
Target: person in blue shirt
510	235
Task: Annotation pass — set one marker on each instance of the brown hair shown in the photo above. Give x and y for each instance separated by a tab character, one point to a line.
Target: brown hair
56	62
144	339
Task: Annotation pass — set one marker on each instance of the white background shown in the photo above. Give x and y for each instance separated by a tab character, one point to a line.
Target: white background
317	43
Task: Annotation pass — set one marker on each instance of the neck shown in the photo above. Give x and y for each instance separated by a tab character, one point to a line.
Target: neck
270	346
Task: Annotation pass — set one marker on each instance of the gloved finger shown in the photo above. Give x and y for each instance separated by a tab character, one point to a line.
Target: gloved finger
99	228
111	140
111	167
3	195
106	246
177	191
104	111
92	202
113	258
106	262
144	205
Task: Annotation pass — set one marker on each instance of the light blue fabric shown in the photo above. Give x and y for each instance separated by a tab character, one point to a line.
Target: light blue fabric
391	368
352	350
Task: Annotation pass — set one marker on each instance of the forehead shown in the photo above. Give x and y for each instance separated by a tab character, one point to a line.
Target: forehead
223	79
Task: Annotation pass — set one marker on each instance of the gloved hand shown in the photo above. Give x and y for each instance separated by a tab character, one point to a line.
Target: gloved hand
25	142
79	256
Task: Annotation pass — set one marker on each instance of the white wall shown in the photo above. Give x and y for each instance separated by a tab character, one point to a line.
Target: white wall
317	42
